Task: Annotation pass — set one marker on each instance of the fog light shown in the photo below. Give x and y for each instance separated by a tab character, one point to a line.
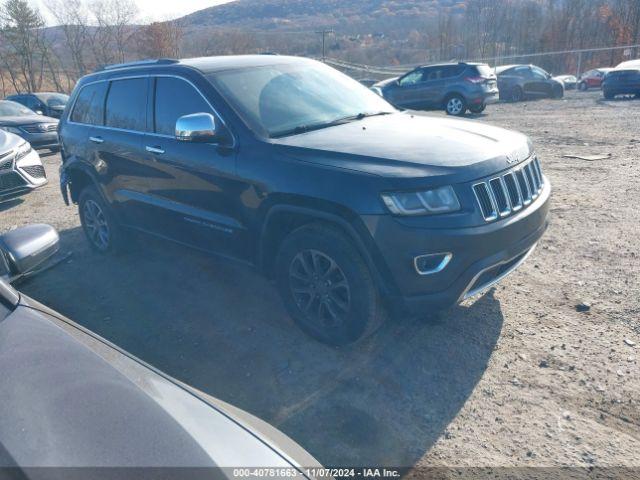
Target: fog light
432	263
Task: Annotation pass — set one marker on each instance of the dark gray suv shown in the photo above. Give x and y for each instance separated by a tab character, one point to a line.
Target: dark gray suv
454	87
302	172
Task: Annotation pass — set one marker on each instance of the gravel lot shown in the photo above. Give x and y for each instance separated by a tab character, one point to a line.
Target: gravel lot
518	377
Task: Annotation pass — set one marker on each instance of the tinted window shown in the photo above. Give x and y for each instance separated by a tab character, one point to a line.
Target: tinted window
433	73
32	102
538	72
89	107
452	71
175	98
127	104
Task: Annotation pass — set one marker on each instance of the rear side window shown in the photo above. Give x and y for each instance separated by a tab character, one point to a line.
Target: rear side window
127	104
174	98
89	107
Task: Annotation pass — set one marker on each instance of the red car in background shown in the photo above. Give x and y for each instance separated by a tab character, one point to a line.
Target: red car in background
592	78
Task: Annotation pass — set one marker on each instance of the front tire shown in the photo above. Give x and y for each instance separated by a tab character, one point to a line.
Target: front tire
455	105
517	94
98	223
557	92
326	285
582	86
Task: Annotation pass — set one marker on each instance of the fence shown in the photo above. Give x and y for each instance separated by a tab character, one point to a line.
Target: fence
582	59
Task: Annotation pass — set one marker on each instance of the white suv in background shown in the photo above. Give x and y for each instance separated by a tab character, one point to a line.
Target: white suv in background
20	167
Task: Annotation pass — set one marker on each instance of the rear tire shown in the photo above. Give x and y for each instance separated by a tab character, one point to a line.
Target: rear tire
478	108
98	222
455	105
327	286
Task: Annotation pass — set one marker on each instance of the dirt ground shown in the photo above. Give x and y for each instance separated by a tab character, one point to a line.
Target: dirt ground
519	377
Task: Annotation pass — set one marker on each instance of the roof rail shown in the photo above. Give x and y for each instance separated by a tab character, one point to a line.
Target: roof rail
152	61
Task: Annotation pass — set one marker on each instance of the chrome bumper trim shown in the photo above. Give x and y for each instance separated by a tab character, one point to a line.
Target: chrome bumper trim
470	293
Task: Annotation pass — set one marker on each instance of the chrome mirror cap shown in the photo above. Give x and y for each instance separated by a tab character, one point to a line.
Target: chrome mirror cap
196	127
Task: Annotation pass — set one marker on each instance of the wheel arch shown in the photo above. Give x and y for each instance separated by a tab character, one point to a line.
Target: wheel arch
453	93
282	219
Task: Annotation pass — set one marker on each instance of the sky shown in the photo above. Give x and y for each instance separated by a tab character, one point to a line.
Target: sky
151	10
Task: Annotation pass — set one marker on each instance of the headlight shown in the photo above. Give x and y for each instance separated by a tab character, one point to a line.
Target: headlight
11	129
23	150
429	202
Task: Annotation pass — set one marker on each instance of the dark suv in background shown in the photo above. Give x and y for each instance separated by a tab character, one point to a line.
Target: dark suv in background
50	104
290	166
522	82
454	87
622	80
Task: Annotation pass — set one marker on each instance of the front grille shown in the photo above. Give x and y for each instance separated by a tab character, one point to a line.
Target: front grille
6	165
40	127
35	171
500	196
9	181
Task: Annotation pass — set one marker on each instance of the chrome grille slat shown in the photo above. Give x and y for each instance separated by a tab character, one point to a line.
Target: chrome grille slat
501	196
499	193
531	181
486	201
36	127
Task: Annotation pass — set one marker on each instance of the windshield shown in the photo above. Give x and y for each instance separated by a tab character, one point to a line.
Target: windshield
278	100
54	99
12	109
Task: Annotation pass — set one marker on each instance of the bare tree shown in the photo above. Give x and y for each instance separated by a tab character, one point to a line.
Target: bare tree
23	44
114	28
72	17
159	39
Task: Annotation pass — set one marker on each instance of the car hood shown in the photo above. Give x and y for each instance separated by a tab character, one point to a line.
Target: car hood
92	404
9	141
17	120
385	82
406	145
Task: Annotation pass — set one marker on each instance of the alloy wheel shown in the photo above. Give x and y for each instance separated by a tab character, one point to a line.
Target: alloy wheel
96	224
319	288
454	106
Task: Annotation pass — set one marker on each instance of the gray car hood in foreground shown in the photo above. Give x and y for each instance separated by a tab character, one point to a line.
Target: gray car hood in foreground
408	145
70	399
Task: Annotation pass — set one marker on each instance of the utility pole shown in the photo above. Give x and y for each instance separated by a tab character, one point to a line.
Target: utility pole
324	33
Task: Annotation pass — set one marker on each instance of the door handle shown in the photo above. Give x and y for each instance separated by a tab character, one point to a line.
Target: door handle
155	150
96	139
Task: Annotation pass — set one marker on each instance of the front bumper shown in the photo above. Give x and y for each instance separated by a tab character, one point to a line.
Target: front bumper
25	175
481	256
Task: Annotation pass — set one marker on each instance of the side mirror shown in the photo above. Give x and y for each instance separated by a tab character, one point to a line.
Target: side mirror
196	127
22	250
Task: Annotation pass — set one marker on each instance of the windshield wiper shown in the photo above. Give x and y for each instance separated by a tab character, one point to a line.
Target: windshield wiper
317	126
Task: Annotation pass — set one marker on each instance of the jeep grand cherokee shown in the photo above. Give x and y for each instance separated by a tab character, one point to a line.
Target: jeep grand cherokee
290	166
